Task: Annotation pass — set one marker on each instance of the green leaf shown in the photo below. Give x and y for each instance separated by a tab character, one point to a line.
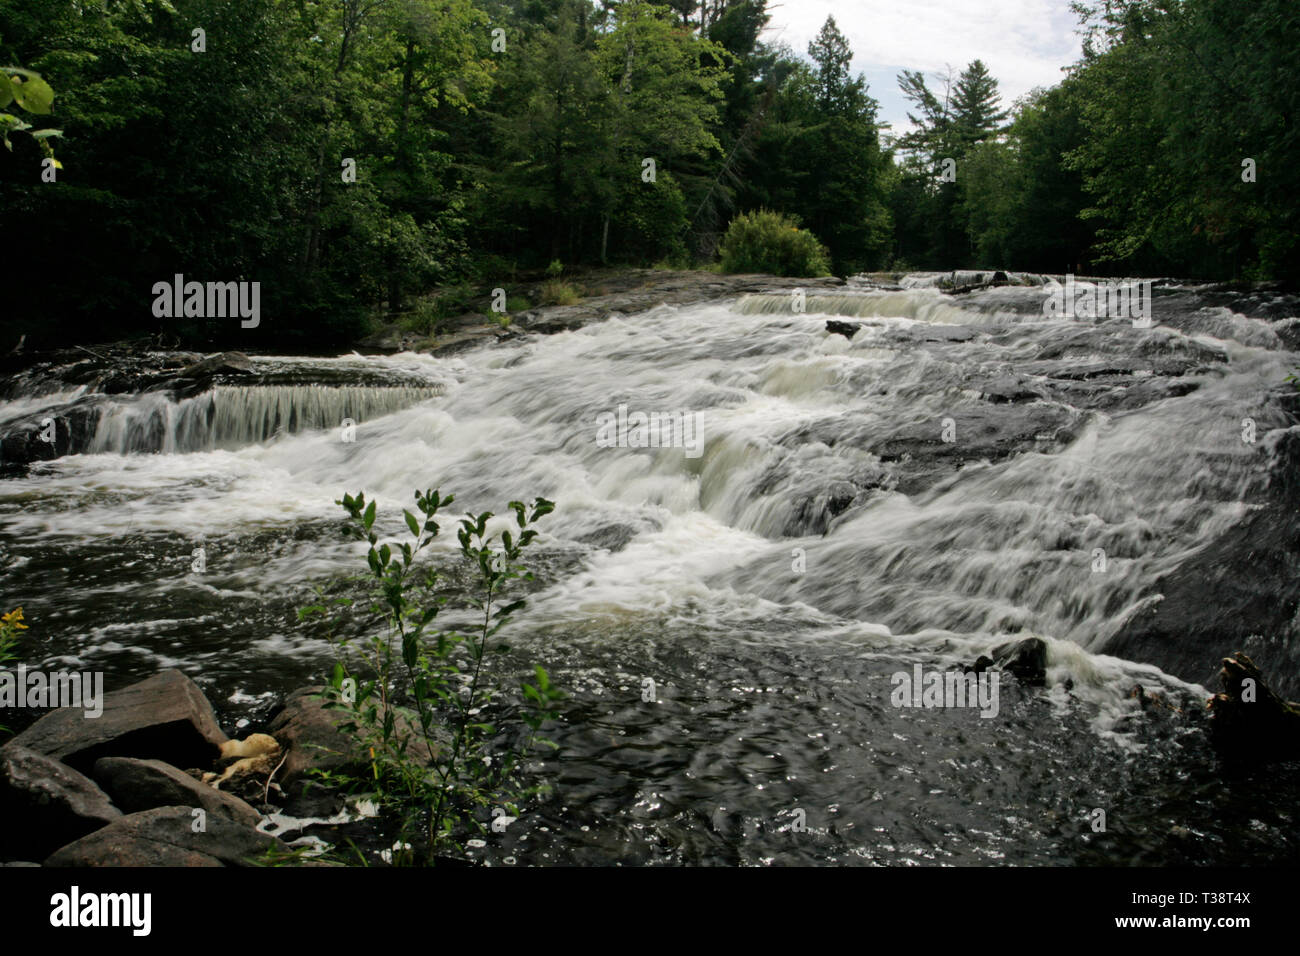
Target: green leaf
6	90
510	608
35	95
369	517
412	523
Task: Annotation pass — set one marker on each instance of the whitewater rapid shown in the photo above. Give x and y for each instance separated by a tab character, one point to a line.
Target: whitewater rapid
817	525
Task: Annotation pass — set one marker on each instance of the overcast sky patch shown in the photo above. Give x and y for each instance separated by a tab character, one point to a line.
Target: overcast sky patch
1024	43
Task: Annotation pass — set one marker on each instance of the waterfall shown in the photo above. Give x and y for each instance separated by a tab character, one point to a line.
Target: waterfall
234	416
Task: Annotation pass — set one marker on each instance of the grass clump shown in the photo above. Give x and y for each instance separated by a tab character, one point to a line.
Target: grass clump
558	292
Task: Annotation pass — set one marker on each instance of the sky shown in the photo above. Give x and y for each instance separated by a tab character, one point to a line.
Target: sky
1024	43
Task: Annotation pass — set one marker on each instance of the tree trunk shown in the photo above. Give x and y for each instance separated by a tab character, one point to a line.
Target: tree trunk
402	163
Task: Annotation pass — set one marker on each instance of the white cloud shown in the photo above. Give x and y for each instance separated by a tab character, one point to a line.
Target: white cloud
1024	43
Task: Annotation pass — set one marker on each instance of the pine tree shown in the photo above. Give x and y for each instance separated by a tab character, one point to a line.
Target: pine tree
976	106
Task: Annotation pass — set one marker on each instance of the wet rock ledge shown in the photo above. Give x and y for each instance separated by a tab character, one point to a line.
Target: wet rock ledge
606	293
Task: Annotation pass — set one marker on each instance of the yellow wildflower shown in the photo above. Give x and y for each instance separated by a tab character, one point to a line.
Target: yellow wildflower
14	619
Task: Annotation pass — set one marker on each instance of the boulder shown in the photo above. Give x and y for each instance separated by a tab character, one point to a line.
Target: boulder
44	804
1249	723
1026	659
136	784
167	836
165	717
309	733
25	440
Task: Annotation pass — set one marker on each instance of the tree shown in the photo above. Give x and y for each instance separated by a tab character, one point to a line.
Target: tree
976	112
820	158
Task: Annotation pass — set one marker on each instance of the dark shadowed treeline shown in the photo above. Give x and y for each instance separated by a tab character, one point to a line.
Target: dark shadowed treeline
349	155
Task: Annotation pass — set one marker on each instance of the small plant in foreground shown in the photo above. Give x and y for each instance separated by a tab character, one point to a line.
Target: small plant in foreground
418	697
10	625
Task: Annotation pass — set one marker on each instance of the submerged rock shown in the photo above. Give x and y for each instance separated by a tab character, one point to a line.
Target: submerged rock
1026	659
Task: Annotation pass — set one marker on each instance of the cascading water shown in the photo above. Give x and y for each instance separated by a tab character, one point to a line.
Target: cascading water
952	474
235	416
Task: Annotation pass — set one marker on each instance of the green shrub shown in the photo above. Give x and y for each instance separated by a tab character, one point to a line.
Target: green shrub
555	269
771	242
426	317
456	299
421	699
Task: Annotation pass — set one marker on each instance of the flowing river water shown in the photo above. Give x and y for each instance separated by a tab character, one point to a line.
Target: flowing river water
828	535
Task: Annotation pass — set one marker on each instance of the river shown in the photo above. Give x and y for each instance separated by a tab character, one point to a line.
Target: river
959	473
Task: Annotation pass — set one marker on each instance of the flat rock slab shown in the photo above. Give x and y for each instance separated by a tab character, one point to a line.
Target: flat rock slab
165	717
44	804
136	785
166	836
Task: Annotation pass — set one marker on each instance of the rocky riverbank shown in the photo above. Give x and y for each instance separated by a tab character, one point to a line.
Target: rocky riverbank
155	781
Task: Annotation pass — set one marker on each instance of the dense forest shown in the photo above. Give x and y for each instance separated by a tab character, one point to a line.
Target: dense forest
350	155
